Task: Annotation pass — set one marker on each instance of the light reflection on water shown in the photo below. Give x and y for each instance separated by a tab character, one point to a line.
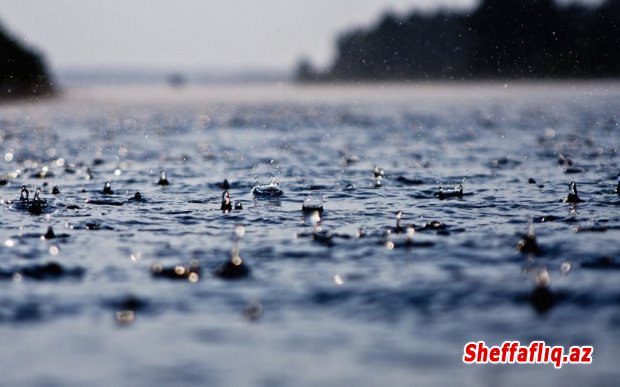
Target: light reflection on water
386	304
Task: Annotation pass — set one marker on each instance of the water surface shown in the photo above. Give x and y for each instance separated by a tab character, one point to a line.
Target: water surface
371	310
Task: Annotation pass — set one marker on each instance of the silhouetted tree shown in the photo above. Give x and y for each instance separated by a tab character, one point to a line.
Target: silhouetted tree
22	71
306	71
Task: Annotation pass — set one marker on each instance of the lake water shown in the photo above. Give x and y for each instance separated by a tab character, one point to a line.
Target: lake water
359	303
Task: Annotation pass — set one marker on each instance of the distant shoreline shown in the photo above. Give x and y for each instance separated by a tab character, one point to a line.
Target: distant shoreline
321	93
113	77
23	72
500	39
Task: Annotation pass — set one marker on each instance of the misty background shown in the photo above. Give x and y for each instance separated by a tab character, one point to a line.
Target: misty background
141	39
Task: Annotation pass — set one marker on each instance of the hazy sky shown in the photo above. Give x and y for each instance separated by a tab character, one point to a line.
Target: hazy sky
221	34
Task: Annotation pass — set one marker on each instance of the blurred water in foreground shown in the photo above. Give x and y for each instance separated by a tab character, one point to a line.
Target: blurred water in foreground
342	297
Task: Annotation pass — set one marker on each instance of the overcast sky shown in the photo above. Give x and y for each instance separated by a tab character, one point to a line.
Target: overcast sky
185	34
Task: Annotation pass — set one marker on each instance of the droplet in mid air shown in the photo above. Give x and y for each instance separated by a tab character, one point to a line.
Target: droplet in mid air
226	203
107	188
163	180
573	197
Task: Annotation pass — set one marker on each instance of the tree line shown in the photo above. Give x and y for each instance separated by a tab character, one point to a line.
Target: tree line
511	39
23	72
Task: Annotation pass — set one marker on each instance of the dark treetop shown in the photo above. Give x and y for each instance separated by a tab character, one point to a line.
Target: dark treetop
22	70
506	39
